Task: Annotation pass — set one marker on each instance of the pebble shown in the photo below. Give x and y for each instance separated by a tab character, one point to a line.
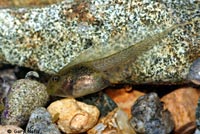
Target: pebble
182	103
40	122
123	98
148	116
194	72
11	129
101	100
116	122
73	116
24	96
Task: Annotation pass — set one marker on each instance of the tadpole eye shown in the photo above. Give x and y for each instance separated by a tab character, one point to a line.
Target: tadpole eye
55	78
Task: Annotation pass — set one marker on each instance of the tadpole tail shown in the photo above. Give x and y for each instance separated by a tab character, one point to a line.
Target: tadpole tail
132	52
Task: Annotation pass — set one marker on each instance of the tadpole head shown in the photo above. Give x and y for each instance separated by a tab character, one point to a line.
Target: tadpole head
76	81
194	72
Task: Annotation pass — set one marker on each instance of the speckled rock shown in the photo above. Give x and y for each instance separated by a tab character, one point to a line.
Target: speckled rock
116	122
11	129
24	96
7	78
149	117
21	3
40	122
73	116
49	38
102	101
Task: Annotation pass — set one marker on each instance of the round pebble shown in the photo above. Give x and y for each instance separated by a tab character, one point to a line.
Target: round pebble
24	96
149	116
73	116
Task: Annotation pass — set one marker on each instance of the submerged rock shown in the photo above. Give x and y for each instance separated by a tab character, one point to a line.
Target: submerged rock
48	38
40	122
149	117
24	96
101	100
182	103
123	98
116	122
73	116
194	72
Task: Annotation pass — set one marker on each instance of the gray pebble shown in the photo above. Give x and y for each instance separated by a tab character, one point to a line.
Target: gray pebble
149	117
24	96
194	72
40	122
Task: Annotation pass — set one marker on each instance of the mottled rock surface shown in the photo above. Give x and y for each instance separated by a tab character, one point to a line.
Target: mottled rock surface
40	122
149	117
24	96
49	38
7	78
73	116
21	3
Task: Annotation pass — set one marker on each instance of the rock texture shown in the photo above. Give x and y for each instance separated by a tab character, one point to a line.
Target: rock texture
182	103
149	116
40	122
49	38
73	116
21	3
24	96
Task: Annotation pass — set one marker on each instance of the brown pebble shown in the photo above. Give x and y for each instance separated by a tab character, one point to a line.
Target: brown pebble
123	98
182	104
